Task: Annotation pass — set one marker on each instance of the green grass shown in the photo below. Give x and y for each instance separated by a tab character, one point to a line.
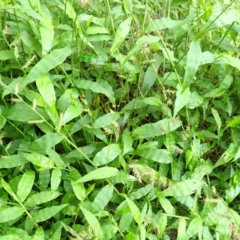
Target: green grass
119	119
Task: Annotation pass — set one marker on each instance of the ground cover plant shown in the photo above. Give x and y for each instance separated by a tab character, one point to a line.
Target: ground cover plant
119	119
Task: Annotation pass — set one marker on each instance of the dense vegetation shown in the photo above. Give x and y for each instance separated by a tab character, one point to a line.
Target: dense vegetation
119	119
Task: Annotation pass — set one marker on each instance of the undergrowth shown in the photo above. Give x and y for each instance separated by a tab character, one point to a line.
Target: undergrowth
119	119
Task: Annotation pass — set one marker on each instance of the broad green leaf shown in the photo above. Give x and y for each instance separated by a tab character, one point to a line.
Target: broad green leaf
8	189
141	192
167	206
121	34
70	10
182	98
220	17
11	213
194	227
46	89
42	197
12	161
207	57
39	160
103	197
50	61
194	101
56	178
182	229
96	30
100	173
68	98
6	186
157	155
47	141
6	54
135	211
232	61
107	154
23	113
109	231
25	185
159	128
44	178
95	87
163	23
125	221
175	3
106	120
78	188
219	91
139	43
228	155
55	157
3	121
128	5
149	79
184	188
47	213
139	103
193	62
71	113
47	35
39	234
31	42
217	118
10	237
127	141
70	230
206	234
233	123
57	234
92	221
162	224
